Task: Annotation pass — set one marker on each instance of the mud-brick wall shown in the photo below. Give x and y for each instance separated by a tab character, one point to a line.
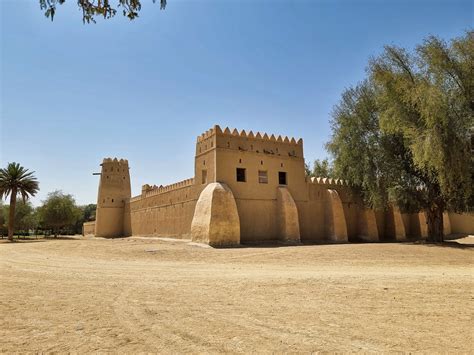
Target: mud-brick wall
462	223
311	214
88	228
166	214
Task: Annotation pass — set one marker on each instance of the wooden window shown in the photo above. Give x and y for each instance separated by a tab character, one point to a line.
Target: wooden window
262	177
240	174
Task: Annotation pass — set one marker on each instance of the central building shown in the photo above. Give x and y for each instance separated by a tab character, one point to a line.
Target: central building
247	187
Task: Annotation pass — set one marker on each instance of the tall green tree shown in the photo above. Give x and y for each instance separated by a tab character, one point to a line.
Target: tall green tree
58	211
91	9
402	136
16	180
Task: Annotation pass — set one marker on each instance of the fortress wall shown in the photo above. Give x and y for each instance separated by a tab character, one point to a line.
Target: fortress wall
127	220
88	228
462	223
166	213
258	220
311	214
409	228
413	226
381	224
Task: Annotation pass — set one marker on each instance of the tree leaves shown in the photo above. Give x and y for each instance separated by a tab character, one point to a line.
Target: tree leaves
91	9
402	136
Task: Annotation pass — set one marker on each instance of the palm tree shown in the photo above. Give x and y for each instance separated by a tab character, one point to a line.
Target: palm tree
14	180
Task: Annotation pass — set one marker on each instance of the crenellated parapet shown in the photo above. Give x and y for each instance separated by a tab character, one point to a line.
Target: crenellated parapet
242	140
327	181
148	190
115	160
243	134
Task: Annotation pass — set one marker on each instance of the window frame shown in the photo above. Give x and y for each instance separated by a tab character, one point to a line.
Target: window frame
263	176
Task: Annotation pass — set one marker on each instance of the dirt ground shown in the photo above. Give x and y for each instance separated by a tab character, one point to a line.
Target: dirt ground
148	295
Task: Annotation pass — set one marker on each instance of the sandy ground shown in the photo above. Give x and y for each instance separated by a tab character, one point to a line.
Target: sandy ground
148	295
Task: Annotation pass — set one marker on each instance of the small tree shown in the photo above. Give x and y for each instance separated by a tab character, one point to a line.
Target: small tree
58	211
16	180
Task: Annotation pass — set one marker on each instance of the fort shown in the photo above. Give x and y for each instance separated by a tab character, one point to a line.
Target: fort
250	188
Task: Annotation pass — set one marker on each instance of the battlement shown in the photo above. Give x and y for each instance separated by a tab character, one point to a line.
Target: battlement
327	181
148	190
216	130
115	161
244	141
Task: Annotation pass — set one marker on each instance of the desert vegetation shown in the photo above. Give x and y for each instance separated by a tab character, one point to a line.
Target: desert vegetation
57	214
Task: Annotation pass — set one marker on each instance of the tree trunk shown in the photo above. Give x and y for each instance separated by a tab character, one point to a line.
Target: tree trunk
434	218
11	217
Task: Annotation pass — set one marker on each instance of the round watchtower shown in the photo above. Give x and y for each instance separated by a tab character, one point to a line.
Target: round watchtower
114	190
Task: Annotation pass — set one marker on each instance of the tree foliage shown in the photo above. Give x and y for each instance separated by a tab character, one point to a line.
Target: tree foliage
16	180
91	9
25	216
403	135
320	168
59	211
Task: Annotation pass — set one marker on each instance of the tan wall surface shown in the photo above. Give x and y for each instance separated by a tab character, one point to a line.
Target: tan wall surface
114	191
287	216
336	222
168	213
462	223
88	228
216	220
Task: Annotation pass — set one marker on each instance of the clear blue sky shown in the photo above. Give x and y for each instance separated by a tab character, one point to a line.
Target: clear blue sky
73	93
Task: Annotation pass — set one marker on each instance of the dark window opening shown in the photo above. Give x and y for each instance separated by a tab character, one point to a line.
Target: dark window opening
240	174
282	178
261	162
112	200
240	160
204	177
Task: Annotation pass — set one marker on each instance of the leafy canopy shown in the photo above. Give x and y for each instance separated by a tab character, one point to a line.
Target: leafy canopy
91	9
59	210
18	180
321	168
403	135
